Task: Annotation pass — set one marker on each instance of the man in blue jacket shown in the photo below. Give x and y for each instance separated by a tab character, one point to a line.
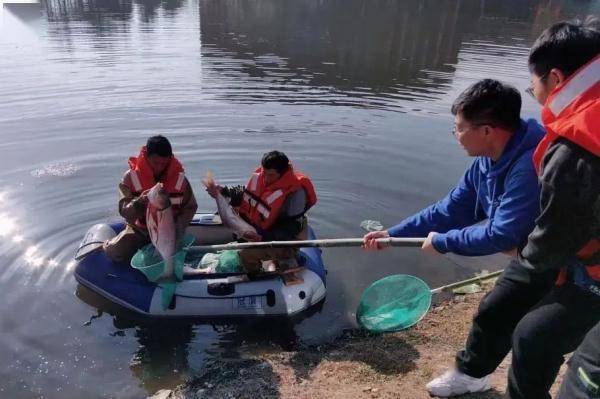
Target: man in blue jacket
492	209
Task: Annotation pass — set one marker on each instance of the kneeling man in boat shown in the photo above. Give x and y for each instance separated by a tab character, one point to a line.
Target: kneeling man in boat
154	164
274	201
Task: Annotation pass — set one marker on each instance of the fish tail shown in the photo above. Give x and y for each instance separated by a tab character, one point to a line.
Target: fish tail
209	179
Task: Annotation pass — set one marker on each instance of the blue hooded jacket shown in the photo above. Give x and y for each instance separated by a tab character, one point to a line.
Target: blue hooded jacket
505	192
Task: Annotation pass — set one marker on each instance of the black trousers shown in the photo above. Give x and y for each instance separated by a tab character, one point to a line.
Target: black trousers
582	381
540	322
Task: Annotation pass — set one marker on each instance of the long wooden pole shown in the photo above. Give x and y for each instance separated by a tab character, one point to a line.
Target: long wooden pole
323	243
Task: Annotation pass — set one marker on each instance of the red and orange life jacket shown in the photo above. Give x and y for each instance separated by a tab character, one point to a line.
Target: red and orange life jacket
141	178
262	203
572	111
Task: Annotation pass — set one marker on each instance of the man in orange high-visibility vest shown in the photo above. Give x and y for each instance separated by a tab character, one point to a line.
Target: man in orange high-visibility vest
565	76
274	202
155	163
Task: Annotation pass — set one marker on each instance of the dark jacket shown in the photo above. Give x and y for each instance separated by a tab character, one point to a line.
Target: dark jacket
570	207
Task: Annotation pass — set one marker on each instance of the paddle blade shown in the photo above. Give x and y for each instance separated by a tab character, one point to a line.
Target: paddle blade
393	303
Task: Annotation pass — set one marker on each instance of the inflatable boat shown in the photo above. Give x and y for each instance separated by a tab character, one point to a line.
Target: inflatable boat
204	295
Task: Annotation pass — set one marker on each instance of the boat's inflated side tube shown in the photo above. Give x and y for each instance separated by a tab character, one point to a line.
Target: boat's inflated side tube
95	237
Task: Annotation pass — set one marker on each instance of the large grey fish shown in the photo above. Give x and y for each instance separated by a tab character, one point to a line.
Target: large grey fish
228	215
161	226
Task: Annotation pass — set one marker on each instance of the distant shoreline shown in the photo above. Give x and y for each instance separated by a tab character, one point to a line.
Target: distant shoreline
19	1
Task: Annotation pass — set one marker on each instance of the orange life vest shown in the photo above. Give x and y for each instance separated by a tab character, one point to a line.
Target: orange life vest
262	203
572	111
141	178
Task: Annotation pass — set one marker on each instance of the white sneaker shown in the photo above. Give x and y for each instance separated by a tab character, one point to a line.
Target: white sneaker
453	382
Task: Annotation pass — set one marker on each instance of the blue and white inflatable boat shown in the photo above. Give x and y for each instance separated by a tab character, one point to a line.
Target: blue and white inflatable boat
207	295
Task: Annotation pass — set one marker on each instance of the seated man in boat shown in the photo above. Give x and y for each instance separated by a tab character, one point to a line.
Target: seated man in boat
274	202
155	163
492	209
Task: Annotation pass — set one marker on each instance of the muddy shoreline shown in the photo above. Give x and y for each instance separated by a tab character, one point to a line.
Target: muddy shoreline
355	365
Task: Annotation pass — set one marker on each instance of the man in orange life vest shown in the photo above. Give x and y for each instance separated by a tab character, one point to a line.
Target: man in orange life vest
274	202
155	163
565	78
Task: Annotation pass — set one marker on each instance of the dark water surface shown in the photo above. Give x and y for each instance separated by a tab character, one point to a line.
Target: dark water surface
357	92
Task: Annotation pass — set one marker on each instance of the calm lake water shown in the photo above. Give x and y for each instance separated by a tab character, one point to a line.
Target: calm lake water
356	92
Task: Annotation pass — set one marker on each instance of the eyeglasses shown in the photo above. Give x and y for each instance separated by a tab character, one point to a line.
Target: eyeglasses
529	90
473	126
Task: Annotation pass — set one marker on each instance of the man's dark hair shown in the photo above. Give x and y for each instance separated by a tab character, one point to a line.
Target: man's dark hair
490	102
276	160
566	45
158	145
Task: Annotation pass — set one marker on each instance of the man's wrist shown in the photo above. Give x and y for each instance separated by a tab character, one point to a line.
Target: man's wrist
393	231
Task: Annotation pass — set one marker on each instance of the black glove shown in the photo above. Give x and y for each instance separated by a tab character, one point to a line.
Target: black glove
235	194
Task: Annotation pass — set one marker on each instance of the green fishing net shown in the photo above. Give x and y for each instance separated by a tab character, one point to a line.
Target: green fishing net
393	303
148	261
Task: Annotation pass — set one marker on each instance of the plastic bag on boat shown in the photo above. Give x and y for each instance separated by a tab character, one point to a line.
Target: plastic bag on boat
222	262
209	261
